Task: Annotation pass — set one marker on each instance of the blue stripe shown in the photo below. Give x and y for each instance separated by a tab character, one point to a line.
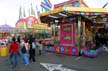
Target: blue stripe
44	7
47	2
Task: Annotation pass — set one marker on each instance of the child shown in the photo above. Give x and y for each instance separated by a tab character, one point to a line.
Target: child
40	47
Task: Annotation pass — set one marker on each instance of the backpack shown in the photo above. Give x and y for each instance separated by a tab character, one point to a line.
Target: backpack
23	49
33	45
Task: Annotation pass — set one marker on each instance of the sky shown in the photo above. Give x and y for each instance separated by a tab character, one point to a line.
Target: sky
9	9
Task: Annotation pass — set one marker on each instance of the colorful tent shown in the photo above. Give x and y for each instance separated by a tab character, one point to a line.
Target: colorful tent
6	27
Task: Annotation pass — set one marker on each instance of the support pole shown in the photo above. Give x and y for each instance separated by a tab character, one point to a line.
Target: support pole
79	34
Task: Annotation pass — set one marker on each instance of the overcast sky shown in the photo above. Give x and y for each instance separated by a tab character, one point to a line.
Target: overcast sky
9	9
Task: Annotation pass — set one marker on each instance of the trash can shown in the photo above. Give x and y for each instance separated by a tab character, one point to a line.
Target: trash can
3	50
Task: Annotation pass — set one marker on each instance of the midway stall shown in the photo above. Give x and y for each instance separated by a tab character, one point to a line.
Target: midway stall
30	25
77	27
5	34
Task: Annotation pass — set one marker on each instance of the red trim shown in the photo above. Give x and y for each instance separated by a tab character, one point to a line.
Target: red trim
68	2
49	2
63	3
21	20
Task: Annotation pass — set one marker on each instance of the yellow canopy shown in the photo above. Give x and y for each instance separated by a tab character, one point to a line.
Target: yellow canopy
85	9
79	9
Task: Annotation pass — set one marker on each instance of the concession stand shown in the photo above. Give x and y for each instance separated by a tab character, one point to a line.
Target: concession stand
76	29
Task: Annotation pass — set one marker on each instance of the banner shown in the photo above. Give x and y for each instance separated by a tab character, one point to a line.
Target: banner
46	5
66	34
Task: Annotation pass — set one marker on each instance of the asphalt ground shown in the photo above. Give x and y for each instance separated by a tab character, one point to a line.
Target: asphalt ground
78	63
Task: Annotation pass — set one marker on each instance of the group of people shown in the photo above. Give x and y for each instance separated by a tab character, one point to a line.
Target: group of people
27	47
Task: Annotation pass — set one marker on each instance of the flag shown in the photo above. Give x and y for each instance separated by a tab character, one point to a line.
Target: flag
32	11
29	11
20	12
24	15
46	5
38	12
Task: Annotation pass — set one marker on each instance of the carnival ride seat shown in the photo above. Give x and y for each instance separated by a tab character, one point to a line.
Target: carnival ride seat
89	51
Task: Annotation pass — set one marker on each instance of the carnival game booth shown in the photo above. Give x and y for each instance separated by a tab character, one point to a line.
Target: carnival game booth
30	25
77	29
5	34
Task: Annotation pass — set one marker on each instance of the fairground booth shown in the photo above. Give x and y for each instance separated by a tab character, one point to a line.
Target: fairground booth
30	25
5	34
76	29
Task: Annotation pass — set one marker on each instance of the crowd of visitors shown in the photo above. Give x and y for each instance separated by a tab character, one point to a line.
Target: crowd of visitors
25	48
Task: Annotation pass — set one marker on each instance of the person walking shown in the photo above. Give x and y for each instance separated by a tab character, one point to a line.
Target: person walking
32	48
40	46
13	51
19	42
24	49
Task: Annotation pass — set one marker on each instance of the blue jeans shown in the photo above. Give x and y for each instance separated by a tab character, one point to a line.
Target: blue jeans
25	58
14	58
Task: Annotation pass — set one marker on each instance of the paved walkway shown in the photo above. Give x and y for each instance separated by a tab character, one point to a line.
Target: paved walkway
72	62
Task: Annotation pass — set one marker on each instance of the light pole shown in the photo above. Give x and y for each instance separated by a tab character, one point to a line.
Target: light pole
56	31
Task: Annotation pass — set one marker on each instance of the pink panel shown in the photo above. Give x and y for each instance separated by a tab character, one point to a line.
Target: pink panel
67	34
